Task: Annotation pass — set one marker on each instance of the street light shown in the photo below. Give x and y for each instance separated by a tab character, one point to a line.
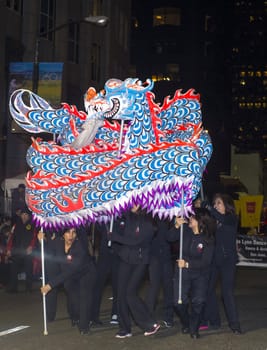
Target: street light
100	21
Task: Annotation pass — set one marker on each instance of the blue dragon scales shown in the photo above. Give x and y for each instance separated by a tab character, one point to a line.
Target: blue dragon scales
124	149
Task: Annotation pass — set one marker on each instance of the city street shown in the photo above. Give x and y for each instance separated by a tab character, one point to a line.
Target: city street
26	310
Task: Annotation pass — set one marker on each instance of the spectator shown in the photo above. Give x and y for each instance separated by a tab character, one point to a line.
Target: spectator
18	199
5	233
19	250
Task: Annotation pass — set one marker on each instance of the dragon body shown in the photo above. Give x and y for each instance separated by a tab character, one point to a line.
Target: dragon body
124	149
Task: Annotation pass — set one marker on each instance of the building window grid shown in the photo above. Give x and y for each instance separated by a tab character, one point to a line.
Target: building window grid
73	42
95	62
47	19
15	5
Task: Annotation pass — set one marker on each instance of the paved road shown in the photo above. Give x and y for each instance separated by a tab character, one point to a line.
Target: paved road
26	310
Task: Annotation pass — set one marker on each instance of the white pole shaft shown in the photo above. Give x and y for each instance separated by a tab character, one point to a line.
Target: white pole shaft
110	229
120	141
43	284
181	250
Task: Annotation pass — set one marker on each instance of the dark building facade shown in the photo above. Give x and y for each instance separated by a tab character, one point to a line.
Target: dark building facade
249	76
57	31
217	48
182	45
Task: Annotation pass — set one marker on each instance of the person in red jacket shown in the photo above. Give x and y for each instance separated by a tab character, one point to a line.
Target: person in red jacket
20	251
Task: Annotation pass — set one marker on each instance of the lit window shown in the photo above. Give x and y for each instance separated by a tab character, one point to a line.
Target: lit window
171	72
250	73
166	16
242	82
135	23
242	74
160	77
258	74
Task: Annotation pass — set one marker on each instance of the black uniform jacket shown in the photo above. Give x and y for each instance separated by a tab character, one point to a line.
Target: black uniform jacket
72	264
197	251
225	237
134	232
160	246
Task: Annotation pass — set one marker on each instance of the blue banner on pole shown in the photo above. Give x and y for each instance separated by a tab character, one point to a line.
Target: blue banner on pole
50	82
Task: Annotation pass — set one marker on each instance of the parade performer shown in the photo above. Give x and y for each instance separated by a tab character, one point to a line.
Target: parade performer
134	232
198	247
76	272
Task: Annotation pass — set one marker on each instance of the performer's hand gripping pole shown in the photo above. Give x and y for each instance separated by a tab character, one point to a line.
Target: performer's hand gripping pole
43	284
181	249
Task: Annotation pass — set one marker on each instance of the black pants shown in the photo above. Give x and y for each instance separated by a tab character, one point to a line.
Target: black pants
107	266
4	273
20	263
51	270
160	275
226	272
129	278
80	297
193	291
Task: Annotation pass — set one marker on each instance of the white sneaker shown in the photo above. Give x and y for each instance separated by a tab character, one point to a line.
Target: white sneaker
114	319
122	334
